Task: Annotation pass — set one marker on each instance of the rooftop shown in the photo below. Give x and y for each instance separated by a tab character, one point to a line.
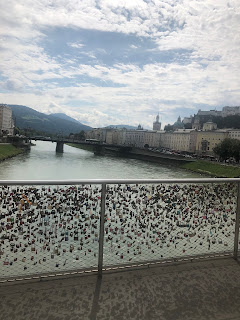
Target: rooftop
188	291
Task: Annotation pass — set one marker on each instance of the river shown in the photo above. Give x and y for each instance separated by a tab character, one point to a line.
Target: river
42	162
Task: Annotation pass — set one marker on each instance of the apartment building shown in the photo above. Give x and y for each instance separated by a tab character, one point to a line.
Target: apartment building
206	141
178	140
152	139
116	136
135	138
97	134
6	120
234	133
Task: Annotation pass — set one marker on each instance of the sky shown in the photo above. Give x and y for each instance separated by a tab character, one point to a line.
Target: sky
106	62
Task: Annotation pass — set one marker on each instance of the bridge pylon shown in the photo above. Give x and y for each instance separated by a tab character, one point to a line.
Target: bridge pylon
59	146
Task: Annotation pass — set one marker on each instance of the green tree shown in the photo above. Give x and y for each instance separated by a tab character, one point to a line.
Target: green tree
224	149
236	149
228	148
169	127
80	136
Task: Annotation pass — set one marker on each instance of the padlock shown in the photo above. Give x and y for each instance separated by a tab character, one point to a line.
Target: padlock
55	251
75	237
6	262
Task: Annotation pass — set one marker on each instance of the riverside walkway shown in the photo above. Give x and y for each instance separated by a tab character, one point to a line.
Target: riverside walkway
205	290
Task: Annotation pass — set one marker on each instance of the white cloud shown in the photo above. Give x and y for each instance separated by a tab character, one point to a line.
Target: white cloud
132	46
208	29
76	45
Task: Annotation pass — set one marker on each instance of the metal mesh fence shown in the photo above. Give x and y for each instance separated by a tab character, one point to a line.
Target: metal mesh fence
55	229
48	229
155	222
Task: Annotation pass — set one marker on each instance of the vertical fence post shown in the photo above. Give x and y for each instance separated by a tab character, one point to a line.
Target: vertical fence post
236	240
101	230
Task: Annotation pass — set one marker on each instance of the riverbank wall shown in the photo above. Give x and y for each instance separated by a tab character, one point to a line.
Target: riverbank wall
147	155
139	154
7	151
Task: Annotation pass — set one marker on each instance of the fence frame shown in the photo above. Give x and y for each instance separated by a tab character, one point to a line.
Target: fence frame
105	182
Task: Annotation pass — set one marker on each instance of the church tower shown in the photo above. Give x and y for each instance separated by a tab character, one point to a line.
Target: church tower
157	124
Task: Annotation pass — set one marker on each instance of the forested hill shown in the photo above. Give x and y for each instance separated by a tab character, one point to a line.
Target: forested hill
26	118
64	116
222	122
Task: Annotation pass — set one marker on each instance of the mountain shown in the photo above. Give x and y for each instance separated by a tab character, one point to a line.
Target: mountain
26	117
120	126
63	116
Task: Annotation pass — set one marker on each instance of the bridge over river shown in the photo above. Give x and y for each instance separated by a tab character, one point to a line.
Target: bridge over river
100	148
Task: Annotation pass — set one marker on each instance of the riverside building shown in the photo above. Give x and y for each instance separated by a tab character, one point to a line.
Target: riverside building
6	120
181	140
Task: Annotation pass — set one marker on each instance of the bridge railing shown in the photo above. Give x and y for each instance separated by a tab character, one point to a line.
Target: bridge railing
51	228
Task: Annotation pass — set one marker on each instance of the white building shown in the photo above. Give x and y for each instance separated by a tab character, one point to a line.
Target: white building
230	111
178	140
97	134
152	139
234	134
6	120
209	126
209	113
135	138
116	136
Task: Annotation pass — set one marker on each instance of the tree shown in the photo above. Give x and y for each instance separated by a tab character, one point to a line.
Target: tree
228	148
187	126
224	149
169	127
236	149
80	136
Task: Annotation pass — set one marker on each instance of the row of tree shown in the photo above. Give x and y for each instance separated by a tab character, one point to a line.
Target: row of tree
228	148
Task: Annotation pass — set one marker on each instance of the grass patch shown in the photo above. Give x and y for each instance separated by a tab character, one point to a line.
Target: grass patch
8	151
81	146
213	169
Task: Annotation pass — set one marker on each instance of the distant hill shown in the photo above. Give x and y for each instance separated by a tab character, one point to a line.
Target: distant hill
232	121
26	117
120	126
64	116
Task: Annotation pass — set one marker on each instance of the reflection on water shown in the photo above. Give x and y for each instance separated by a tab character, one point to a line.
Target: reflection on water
42	162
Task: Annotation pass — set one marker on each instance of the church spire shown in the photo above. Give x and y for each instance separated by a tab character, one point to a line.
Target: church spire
157	124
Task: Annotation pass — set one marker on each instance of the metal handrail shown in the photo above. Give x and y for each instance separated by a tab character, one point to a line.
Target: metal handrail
117	181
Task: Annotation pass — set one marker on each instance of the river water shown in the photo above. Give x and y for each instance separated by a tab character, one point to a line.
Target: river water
42	162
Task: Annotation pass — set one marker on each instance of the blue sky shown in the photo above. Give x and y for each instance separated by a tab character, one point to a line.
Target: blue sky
120	62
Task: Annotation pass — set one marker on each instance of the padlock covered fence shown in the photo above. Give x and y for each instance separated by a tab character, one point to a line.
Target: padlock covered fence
51	228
